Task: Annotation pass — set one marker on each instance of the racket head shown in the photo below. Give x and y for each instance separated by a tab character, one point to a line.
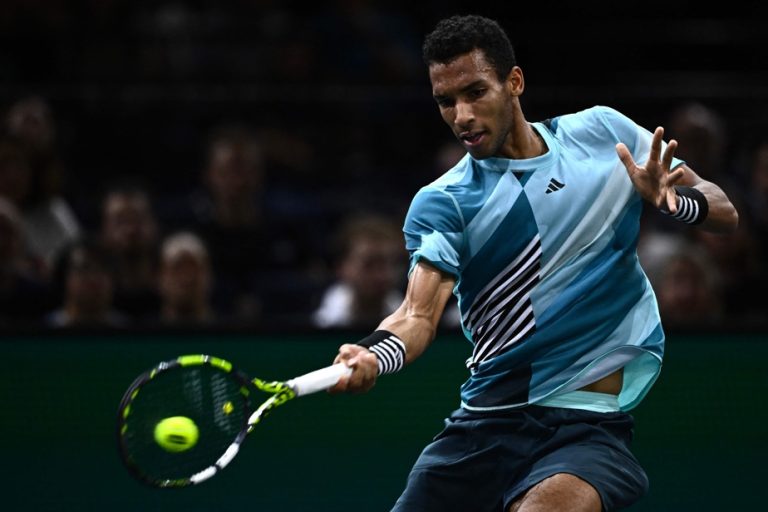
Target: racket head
205	389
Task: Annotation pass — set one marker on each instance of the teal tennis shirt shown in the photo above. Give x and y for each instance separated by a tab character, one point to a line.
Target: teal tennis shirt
549	286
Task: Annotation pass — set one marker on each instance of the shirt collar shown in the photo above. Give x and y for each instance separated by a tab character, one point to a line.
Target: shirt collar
500	164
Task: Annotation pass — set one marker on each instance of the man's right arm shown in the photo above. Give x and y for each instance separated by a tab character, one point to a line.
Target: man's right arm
414	322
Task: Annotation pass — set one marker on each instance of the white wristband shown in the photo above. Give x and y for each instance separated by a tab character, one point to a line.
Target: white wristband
389	350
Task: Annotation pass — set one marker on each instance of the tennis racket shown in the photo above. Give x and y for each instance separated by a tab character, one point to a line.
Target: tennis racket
217	400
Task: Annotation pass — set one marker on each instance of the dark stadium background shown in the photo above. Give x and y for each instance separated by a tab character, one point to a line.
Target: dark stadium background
135	87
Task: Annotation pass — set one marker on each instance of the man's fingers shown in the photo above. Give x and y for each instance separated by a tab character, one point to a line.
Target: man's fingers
671	194
364	369
675	176
671	201
626	157
340	386
658	136
346	352
346	356
669	154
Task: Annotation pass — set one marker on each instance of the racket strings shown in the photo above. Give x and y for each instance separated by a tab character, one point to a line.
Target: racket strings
208	396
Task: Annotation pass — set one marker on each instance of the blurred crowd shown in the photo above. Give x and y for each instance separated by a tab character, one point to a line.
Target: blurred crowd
284	214
216	254
222	253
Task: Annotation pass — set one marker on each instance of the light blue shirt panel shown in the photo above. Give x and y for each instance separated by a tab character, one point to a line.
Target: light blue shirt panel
570	246
434	230
571	229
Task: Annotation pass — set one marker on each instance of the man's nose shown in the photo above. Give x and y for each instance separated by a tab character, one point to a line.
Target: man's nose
465	117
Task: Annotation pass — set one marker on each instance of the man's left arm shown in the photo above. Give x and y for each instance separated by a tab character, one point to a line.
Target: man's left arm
680	192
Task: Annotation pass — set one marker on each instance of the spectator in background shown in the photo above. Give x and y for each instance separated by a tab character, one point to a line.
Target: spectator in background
733	258
254	254
49	222
84	285
185	281
129	233
22	295
687	290
702	137
30	119
370	263
740	266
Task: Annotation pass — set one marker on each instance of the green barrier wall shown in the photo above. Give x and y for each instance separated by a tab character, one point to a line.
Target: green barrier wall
700	432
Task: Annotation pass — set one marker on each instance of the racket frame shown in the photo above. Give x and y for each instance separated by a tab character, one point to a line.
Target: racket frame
281	392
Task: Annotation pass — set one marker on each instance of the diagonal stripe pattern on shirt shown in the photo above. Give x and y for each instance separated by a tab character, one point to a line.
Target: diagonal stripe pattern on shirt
502	314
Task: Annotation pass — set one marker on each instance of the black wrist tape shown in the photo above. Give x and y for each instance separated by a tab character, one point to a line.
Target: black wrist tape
692	206
389	350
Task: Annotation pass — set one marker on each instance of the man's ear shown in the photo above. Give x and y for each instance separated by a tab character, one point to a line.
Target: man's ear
515	81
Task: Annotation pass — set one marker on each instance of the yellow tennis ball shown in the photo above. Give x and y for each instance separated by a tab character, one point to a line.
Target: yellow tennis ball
176	434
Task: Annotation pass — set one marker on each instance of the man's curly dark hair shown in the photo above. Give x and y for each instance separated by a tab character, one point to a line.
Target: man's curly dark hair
458	35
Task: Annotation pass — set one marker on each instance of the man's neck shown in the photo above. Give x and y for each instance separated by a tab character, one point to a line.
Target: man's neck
523	141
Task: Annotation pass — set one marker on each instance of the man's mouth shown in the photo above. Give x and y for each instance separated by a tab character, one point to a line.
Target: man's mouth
471	138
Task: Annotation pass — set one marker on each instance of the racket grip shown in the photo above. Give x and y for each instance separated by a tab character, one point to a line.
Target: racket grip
319	379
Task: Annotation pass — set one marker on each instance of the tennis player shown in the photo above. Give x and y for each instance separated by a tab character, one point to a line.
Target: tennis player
535	231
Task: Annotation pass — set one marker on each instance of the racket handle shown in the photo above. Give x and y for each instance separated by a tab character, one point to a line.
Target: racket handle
319	379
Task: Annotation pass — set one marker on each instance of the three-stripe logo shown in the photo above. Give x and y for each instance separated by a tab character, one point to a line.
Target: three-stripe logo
554	186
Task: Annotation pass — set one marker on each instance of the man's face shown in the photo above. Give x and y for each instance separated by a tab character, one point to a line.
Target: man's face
373	266
185	280
128	223
89	283
473	102
235	172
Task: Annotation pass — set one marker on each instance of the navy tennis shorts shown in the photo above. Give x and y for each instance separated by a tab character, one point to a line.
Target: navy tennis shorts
483	463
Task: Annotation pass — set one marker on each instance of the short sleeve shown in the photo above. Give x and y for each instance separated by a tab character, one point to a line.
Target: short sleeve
434	230
635	137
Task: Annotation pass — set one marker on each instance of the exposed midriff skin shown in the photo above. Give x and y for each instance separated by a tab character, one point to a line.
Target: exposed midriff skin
610	384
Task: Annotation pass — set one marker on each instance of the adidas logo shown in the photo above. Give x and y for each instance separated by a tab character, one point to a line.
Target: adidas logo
554	186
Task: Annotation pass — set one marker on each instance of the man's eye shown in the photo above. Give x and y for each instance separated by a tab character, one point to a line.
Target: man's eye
445	103
477	93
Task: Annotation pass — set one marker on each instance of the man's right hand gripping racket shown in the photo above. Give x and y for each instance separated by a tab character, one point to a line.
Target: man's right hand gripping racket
184	420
